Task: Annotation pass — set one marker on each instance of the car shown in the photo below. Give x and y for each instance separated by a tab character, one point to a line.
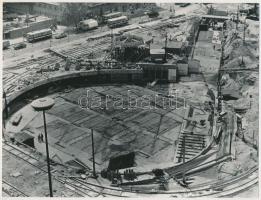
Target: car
61	35
153	14
20	46
6	44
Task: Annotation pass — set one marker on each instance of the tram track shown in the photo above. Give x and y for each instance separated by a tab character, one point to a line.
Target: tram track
11	190
83	188
74	53
32	160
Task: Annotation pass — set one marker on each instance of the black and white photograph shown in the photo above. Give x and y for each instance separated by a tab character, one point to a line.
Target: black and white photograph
130	99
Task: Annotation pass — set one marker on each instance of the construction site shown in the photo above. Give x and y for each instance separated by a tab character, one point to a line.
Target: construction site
163	105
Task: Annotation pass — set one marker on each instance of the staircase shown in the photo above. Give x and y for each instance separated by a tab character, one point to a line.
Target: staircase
193	143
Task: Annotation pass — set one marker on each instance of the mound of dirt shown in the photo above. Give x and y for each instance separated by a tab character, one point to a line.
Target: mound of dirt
236	49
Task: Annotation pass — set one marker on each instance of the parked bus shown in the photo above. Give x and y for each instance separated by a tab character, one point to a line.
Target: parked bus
39	35
111	16
88	24
6	44
116	22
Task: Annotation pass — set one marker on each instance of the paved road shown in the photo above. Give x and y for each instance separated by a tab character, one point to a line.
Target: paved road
35	49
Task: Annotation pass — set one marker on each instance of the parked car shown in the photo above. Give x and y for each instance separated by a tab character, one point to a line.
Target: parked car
6	44
61	35
20	46
153	14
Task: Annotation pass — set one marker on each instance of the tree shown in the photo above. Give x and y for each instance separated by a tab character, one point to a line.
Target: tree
74	13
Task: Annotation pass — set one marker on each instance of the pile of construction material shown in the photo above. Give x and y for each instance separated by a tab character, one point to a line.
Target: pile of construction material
130	48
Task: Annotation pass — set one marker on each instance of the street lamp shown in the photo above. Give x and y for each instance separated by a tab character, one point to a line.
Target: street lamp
6	108
44	104
93	157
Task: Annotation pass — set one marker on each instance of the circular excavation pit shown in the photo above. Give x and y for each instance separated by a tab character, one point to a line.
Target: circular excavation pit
124	119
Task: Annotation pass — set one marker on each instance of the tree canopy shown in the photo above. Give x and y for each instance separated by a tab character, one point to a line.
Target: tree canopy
74	13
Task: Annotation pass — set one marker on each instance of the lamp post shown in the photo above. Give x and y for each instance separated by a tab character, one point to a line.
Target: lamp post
93	158
6	108
184	154
44	104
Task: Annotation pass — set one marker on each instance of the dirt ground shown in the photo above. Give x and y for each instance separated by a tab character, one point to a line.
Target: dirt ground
29	179
115	129
134	130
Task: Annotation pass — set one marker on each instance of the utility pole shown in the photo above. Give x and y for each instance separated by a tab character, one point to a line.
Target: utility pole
6	115
6	106
184	153
111	39
166	41
47	156
253	137
43	105
231	135
237	18
219	108
93	157
244	33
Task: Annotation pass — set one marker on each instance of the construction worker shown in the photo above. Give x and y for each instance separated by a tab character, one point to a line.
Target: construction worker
41	137
12	138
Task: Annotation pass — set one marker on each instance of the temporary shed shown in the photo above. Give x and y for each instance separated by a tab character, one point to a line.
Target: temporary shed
174	47
182	69
157	54
193	66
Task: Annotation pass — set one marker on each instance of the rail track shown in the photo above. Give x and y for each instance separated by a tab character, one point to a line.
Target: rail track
11	190
85	49
226	188
10	83
84	188
209	189
34	161
89	189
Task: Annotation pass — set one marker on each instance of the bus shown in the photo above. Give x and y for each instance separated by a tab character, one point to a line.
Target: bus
111	16
117	22
39	35
88	24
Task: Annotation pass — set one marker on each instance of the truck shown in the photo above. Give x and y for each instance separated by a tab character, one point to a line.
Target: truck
111	16
39	35
88	24
117	22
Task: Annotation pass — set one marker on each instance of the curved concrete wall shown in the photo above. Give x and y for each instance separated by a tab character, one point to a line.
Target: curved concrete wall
40	88
18	100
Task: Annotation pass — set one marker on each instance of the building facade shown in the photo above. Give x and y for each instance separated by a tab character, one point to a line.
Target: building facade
56	10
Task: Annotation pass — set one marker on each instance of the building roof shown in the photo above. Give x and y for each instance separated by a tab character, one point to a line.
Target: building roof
175	44
230	94
157	51
182	64
194	63
215	17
